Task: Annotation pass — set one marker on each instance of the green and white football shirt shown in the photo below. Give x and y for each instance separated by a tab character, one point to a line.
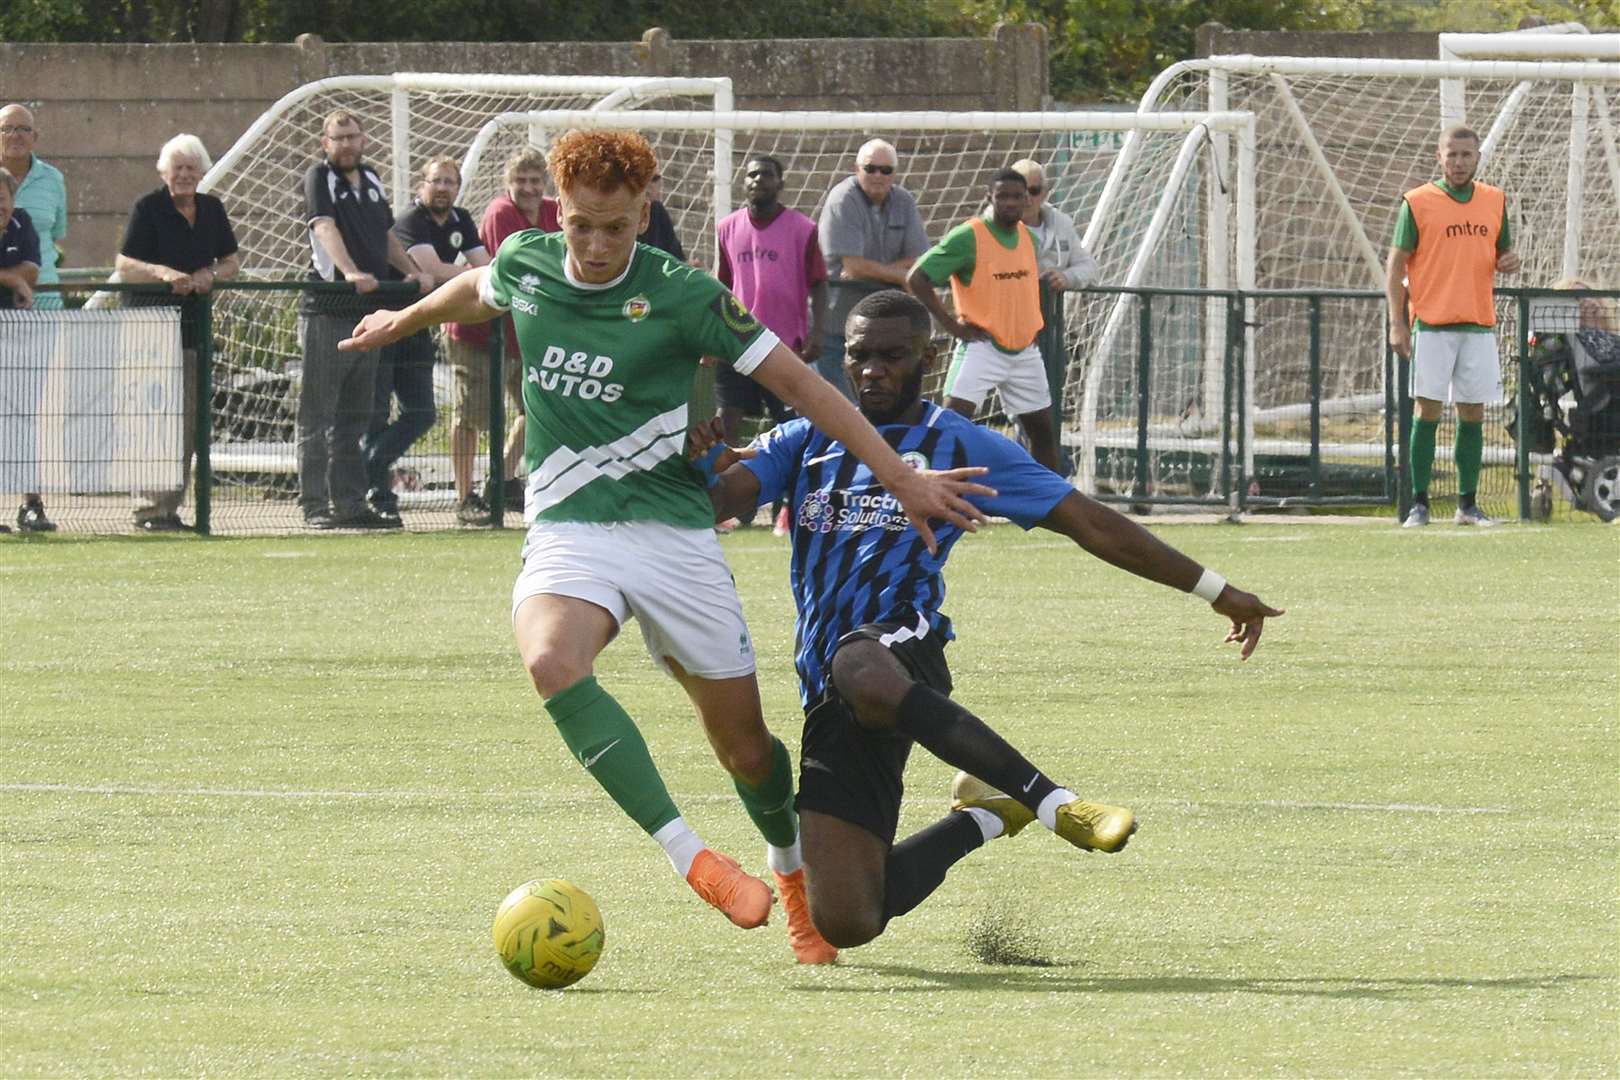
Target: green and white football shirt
607	377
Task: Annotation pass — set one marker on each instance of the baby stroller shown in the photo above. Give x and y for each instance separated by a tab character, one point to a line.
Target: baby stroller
1575	395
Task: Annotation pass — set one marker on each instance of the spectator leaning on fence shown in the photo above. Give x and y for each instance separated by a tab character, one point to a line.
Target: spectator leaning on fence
183	238
1064	264
19	269
352	240
435	233
524	205
40	192
871	232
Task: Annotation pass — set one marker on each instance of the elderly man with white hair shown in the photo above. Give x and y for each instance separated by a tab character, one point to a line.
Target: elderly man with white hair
183	238
870	233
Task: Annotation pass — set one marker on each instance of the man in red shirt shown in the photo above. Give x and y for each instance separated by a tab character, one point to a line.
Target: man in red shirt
525	205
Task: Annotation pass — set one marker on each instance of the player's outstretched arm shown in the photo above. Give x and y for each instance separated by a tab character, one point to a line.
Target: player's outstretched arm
1116	539
456	301
927	496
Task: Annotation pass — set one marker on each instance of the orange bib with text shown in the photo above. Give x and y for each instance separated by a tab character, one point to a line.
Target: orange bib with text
1005	295
1451	274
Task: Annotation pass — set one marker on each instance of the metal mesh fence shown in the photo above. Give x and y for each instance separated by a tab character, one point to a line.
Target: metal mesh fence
94	413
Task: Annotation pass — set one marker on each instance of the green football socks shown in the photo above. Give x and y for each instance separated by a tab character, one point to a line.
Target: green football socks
603	738
771	803
1470	450
1423	439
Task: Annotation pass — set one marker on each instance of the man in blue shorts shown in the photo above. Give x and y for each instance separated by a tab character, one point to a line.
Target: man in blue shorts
871	637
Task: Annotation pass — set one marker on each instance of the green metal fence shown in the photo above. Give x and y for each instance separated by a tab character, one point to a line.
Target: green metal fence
1296	403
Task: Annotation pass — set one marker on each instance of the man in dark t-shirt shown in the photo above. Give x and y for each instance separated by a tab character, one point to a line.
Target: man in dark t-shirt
351	239
183	238
435	233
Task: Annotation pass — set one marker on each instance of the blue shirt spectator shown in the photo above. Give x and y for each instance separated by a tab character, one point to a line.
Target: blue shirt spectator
40	191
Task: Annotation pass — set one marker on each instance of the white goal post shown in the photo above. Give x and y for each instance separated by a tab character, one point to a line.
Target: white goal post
1337	142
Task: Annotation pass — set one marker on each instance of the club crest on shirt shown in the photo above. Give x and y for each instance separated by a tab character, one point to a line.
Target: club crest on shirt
915	460
737	318
637	308
455	239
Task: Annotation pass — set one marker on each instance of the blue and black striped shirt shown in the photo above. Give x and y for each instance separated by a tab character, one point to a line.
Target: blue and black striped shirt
856	558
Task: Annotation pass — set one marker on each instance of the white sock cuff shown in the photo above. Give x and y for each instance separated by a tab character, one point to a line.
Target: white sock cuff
784	860
989	824
1048	809
681	844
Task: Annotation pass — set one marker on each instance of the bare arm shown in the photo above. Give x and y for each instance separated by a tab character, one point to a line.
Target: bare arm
818	320
326	231
1400	330
923	496
138	271
894	273
401	260
1116	539
20	280
922	287
441	271
457	301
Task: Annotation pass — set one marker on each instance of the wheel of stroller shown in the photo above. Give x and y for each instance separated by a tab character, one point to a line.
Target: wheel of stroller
1601	492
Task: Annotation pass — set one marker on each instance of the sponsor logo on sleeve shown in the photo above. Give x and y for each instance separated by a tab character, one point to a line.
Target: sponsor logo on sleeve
529	282
736	318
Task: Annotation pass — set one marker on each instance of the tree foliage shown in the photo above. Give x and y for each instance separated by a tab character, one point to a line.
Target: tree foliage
1099	49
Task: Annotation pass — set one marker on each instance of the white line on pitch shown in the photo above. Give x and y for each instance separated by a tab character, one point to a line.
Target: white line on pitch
297	793
1387	808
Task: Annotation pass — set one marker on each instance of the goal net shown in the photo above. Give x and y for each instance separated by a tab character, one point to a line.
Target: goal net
408	119
1336	144
946	161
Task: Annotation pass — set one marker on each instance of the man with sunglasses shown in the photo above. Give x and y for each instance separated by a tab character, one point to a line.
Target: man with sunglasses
870	232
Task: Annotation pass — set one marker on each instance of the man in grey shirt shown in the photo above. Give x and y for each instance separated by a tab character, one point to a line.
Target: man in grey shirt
870	233
1064	264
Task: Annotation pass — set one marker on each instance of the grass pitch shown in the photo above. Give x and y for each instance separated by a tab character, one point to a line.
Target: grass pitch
259	800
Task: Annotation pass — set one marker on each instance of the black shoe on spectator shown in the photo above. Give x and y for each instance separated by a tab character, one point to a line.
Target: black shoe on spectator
367	519
319	519
385	504
166	523
512	494
473	510
31	518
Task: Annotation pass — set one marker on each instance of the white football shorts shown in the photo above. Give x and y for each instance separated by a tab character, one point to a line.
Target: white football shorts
1456	366
674	581
978	367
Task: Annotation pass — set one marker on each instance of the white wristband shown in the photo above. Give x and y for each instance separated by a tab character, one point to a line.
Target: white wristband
1209	586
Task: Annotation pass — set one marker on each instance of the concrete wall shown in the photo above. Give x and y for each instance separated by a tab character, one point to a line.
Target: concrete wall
104	110
1216	40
